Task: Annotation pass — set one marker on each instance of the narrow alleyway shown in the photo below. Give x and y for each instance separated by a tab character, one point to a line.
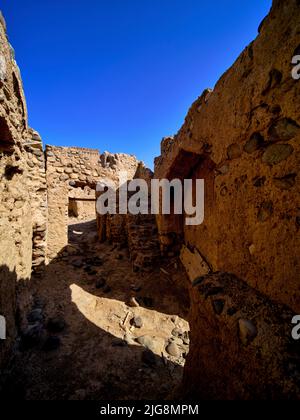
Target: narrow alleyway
96	330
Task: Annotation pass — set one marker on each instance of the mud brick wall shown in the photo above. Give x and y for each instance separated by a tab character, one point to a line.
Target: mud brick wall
38	193
241	345
243	139
21	183
72	176
138	232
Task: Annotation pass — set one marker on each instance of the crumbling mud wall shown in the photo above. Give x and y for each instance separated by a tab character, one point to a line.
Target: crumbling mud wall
241	344
22	178
72	177
242	138
137	231
38	195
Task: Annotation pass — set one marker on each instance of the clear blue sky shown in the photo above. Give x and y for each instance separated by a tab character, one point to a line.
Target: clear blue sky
119	75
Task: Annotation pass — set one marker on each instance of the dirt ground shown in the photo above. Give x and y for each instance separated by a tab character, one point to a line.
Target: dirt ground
85	337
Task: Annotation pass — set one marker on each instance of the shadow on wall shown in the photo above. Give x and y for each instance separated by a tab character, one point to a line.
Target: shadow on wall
8	282
244	342
63	353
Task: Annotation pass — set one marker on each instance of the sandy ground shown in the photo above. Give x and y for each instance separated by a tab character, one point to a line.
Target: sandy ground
84	340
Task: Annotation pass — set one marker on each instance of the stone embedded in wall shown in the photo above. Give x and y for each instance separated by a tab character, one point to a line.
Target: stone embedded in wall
241	338
255	142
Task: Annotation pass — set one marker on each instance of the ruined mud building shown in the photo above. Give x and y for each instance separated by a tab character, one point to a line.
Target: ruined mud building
243	262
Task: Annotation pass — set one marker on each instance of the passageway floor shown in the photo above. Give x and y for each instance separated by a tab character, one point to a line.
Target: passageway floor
96	330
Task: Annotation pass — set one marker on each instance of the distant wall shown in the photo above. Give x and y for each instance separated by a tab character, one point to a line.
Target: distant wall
72	176
138	232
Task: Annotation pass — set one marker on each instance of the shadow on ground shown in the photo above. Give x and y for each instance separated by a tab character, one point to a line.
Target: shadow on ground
77	337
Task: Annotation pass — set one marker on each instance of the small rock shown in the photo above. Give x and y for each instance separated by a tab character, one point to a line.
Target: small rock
247	331
137	322
224	169
173	350
254	143
186	341
224	191
234	151
52	343
277	153
35	316
177	341
283	130
266	211
177	332
252	249
56	325
285	183
150	343
186	336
